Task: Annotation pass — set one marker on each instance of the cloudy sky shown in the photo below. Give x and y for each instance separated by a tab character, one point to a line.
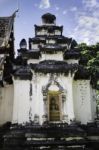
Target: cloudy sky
80	18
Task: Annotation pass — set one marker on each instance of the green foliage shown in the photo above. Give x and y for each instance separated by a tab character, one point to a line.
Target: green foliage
90	54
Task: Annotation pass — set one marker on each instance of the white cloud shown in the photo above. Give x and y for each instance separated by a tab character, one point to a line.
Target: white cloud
87	29
64	12
96	14
44	4
87	22
90	3
57	8
73	9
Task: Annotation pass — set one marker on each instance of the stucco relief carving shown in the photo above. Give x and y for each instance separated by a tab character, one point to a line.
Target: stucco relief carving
36	119
52	81
54	85
30	114
30	92
45	118
65	118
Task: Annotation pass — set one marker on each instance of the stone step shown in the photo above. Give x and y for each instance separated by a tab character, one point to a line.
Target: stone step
51	137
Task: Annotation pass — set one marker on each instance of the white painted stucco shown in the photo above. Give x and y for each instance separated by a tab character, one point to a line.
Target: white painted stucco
18	106
48	24
50	41
45	32
33	61
55	56
6	104
84	104
21	101
34	46
25	99
72	61
57	32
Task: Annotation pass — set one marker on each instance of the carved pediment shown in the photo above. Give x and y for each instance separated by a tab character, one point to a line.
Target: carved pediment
53	85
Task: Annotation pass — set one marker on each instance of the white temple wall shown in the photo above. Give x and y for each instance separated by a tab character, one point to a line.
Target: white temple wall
38	106
6	104
79	103
42	32
67	83
51	34
32	61
57	32
83	103
39	80
21	105
50	41
45	32
34	46
72	61
93	102
49	24
58	56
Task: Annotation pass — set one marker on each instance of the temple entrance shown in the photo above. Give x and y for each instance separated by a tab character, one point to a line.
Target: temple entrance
54	106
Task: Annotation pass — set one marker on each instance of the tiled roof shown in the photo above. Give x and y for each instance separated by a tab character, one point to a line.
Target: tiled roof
52	66
1	62
24	73
5	29
72	54
40	27
34	53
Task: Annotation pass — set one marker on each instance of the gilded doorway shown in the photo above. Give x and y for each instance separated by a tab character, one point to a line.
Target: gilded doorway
54	106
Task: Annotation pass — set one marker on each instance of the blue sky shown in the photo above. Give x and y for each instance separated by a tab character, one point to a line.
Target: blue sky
80	18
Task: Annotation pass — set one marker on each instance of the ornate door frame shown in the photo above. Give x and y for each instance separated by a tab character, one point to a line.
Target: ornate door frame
59	103
62	96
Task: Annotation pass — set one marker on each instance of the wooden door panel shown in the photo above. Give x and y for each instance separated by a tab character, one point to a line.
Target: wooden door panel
54	107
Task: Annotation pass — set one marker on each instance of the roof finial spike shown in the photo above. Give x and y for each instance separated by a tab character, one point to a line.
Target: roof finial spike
18	5
17	9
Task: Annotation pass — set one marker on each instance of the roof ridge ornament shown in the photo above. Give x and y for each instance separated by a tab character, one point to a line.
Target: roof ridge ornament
16	11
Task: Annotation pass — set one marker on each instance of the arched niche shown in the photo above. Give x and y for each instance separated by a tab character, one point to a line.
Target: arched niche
54	86
54	97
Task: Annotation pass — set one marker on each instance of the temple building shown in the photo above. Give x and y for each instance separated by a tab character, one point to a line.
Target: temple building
45	83
6	61
47	95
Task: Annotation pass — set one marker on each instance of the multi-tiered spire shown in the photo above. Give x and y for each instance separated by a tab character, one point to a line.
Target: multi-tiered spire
49	50
49	39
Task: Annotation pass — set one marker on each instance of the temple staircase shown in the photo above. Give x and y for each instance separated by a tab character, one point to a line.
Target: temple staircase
50	137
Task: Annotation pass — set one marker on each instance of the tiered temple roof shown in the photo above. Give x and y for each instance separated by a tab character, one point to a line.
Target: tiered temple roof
48	27
52	66
48	136
7	47
6	24
23	73
42	44
34	54
72	54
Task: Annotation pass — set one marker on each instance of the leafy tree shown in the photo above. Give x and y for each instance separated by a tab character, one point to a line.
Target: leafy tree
90	60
